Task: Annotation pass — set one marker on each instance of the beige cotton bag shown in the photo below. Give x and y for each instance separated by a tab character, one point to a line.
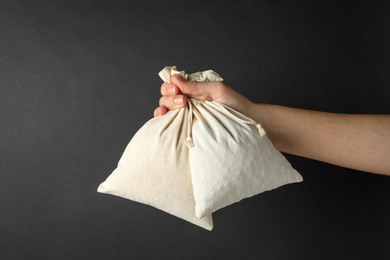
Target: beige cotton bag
198	159
154	169
231	158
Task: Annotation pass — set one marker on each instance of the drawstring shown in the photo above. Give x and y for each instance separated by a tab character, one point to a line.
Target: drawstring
261	130
247	120
189	142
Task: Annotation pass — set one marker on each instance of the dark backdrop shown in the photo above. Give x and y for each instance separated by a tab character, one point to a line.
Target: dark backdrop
79	78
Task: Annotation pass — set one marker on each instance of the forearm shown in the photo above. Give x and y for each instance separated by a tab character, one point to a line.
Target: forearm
360	142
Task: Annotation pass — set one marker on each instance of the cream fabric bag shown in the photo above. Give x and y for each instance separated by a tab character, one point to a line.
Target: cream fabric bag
154	169
231	158
205	153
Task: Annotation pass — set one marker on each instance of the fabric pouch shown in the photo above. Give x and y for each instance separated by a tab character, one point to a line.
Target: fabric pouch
232	159
230	156
198	159
155	170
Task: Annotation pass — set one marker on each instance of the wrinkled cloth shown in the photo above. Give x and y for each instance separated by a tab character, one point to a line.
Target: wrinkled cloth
198	159
154	169
231	157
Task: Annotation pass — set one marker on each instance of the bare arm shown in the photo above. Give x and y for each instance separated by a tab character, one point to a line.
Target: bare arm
360	142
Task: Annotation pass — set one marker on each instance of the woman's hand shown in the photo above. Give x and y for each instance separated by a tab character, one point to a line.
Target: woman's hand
173	98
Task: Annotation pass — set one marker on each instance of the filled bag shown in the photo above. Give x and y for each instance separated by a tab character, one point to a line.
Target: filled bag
155	170
230	156
198	159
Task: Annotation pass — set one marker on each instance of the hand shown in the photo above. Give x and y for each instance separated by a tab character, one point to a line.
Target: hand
359	142
172	97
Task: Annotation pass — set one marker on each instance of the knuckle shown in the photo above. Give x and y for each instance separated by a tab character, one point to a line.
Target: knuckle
161	102
155	113
163	88
166	89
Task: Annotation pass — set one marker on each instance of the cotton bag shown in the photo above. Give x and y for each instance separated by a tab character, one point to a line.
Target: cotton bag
198	159
230	156
154	169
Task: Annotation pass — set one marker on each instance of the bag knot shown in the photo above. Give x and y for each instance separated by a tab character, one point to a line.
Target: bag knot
261	130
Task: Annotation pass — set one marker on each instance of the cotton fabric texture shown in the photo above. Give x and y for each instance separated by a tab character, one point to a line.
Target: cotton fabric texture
154	169
198	159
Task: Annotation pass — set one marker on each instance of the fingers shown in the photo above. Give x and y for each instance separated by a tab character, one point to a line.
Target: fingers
169	89
198	90
170	98
173	102
160	111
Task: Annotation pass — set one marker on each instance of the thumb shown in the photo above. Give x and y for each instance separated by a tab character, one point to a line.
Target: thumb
194	89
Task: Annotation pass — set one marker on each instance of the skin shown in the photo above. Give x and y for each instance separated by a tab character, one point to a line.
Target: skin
360	142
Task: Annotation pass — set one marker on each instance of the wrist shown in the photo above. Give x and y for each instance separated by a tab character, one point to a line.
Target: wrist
256	111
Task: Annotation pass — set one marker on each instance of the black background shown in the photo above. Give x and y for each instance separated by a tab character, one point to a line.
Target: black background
79	78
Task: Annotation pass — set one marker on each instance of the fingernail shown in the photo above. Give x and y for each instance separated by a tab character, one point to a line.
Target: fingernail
178	100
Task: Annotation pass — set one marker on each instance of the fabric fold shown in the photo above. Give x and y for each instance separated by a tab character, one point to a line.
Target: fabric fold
198	159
